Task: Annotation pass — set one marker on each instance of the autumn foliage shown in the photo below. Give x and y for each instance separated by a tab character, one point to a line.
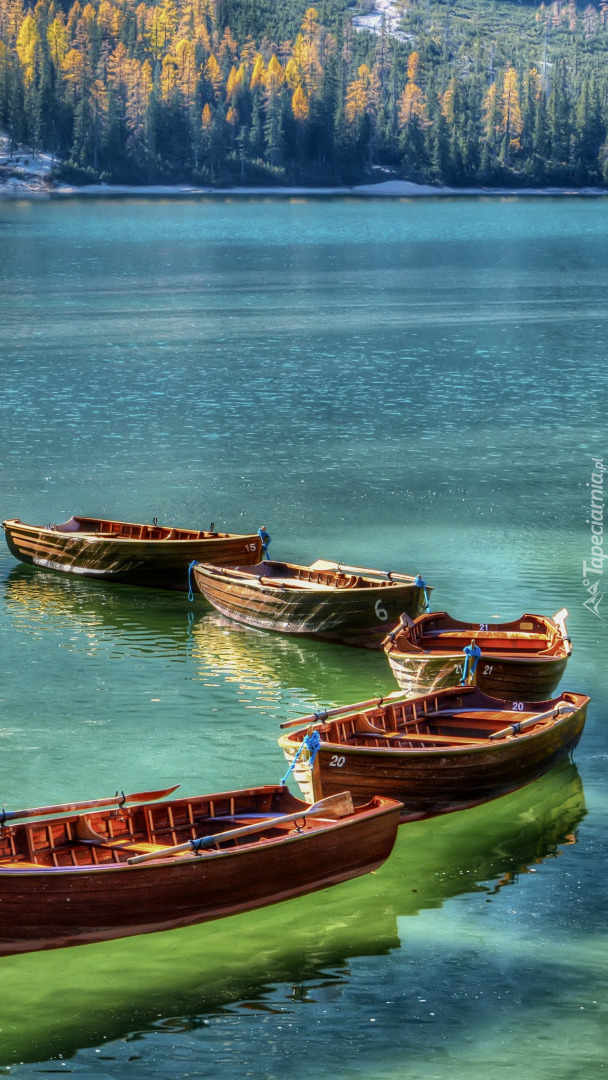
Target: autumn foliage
140	92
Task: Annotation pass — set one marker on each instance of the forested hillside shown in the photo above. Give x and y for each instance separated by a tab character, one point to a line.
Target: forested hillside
457	92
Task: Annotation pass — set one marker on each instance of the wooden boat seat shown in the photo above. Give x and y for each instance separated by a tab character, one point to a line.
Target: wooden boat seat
488	642
296	583
442	740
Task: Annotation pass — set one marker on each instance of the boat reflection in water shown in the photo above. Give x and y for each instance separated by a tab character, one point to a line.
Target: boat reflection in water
129	622
61	1001
281	668
125	619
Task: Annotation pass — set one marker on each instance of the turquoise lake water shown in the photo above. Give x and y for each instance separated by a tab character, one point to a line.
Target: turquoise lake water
418	385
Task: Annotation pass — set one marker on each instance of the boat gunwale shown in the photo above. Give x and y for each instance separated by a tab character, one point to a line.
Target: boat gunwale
514	657
549	725
556	649
99	536
377	806
474	747
246	579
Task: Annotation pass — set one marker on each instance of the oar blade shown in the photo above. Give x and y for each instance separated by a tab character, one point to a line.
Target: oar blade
334	806
90	804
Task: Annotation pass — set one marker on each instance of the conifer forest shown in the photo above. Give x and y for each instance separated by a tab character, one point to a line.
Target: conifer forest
261	92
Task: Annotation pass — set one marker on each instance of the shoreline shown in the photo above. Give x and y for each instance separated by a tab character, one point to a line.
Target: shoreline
16	189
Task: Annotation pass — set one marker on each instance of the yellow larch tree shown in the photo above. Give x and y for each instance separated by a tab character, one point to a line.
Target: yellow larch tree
185	58
412	102
232	120
511	118
299	105
118	66
235	82
168	76
139	88
356	97
274	76
105	18
213	74
206	119
73	67
28	43
257	75
57	37
413	66
446	102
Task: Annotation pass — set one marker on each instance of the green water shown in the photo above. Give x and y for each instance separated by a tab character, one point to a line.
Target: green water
410	385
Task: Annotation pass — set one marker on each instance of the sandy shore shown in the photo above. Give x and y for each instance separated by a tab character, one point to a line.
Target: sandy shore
36	188
26	175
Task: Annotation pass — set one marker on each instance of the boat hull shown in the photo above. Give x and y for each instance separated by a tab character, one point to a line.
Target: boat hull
440	780
502	677
54	907
358	616
524	659
158	564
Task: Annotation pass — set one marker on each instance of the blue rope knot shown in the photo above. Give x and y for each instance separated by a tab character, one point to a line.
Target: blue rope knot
472	653
190	589
422	585
265	538
516	728
310	742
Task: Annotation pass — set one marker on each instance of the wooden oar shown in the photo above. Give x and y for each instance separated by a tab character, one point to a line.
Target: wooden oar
515	728
341	710
405	621
385	575
67	808
334	806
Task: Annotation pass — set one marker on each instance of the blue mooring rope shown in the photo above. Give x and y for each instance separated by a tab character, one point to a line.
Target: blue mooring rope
265	538
190	589
312	743
472	652
422	585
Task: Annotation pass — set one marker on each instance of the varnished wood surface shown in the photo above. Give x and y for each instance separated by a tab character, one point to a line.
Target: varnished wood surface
355	609
433	753
127	553
65	880
525	658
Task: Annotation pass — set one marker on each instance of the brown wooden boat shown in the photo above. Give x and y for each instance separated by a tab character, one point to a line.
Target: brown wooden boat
154	555
348	604
521	659
444	751
113	868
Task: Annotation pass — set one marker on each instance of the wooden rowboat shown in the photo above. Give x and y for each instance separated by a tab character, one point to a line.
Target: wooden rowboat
521	659
441	752
348	604
93	871
155	556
